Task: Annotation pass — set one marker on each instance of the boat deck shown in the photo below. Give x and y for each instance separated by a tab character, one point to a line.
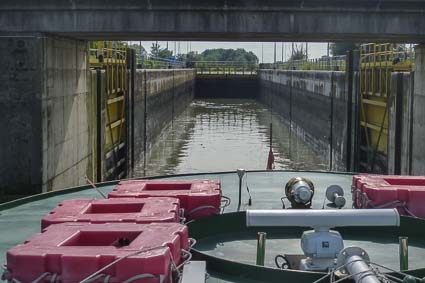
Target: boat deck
21	219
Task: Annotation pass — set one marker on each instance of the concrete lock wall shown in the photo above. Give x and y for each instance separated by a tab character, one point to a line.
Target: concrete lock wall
20	115
160	95
45	143
400	124
66	108
418	120
226	86
314	104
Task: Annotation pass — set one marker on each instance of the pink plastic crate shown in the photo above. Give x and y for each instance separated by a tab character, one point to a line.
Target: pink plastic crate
73	251
198	198
406	193
147	210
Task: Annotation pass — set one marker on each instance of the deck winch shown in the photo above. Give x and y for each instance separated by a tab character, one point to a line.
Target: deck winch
321	246
299	191
335	194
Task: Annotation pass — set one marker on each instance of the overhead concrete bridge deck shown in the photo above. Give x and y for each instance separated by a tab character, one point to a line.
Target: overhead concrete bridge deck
251	20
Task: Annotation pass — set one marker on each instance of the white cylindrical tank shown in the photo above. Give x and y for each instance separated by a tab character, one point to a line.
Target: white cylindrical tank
323	218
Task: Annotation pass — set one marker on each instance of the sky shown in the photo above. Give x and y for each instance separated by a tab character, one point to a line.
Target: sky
264	51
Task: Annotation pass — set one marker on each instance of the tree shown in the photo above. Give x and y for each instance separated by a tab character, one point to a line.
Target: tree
341	48
159	52
226	55
298	53
140	50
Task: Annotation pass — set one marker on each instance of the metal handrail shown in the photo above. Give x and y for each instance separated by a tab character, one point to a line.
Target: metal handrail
224	67
152	62
334	63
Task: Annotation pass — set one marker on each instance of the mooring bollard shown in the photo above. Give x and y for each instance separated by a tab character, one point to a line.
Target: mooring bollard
404	253
261	248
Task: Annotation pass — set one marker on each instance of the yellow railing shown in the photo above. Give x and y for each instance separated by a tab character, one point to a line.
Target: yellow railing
112	58
377	62
225	68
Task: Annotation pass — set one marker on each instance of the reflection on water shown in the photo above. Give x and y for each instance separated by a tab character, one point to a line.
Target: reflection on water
222	135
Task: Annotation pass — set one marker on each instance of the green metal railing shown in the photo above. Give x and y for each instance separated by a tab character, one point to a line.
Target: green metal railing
334	63
151	62
224	68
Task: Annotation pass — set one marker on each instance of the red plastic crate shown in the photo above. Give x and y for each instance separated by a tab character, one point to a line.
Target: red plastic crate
73	251
199	198
147	210
406	193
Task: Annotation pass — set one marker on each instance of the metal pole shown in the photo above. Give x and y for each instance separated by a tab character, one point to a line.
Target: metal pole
240	193
404	253
262	52
261	248
360	270
283	44
241	173
306	50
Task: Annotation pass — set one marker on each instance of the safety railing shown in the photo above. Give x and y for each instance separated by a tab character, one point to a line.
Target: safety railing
107	52
111	58
334	63
151	62
377	62
224	67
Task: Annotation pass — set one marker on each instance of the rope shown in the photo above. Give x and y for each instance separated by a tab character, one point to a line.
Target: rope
182	218
365	202
227	201
94	186
54	277
201	208
189	257
192	242
87	279
140	276
97	275
38	279
94	278
372	270
352	275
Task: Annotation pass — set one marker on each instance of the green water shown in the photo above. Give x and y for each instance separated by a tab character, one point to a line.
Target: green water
225	134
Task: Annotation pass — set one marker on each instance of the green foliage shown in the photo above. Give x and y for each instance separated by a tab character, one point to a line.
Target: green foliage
159	52
220	54
298	53
341	48
140	50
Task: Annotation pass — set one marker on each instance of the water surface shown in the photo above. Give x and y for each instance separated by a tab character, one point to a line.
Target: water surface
225	134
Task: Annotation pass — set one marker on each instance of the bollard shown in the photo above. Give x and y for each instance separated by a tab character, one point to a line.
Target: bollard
404	253
261	248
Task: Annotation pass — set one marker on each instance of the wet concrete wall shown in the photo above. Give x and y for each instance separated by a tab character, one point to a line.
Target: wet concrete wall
226	86
400	124
20	104
44	143
66	109
314	105
418	120
160	95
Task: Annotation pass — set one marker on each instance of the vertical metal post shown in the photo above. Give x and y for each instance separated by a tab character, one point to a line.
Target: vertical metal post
261	248
404	253
241	173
